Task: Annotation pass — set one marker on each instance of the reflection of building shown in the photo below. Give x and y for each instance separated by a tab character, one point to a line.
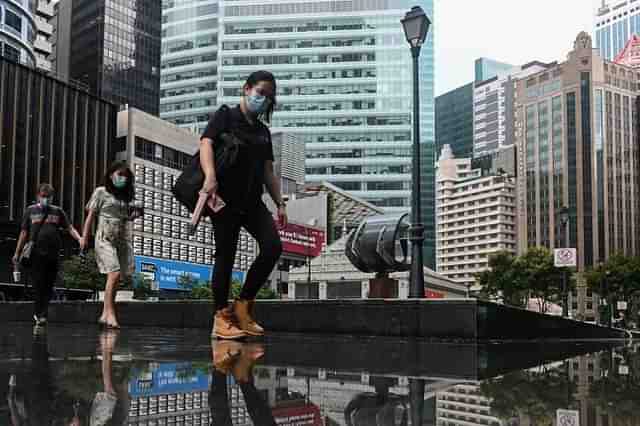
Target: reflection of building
169	393
577	147
54	133
464	405
25	32
157	151
475	218
115	49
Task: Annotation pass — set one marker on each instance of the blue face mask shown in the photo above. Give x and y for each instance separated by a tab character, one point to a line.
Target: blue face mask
119	181
257	104
45	201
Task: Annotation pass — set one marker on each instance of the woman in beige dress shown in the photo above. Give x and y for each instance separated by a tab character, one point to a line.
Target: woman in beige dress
112	204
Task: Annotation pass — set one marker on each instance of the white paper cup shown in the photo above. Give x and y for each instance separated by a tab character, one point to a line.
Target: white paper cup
17	276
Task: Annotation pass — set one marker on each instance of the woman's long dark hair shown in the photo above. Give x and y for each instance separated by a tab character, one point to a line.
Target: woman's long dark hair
255	78
127	193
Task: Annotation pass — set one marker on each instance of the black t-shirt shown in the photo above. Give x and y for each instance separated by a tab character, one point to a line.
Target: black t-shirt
49	240
242	185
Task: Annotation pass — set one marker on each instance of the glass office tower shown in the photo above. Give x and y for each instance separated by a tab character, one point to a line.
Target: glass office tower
189	77
115	49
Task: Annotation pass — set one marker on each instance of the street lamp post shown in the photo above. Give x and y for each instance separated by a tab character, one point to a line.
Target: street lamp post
416	26
564	221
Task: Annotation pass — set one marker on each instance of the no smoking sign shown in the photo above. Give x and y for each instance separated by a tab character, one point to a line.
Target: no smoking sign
567	418
565	258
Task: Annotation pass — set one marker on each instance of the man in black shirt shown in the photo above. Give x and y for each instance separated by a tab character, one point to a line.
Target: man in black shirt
48	221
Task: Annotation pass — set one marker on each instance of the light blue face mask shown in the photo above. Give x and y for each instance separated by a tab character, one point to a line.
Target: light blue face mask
119	181
257	104
45	201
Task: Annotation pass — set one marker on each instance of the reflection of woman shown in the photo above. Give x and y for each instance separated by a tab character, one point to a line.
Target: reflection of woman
109	407
238	359
111	204
33	407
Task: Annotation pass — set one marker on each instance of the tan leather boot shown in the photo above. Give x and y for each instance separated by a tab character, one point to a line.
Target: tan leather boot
249	355
225	325
225	355
242	309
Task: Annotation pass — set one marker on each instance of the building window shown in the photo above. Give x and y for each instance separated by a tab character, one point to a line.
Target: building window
13	20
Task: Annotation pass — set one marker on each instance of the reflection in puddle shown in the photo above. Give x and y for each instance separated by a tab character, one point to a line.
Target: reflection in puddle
110	380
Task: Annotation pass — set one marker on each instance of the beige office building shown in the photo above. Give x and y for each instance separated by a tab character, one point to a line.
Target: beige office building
576	126
475	218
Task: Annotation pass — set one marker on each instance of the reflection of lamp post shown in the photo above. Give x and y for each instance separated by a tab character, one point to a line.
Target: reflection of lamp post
564	221
416	26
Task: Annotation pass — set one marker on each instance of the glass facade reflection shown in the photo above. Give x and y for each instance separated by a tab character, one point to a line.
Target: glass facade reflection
115	48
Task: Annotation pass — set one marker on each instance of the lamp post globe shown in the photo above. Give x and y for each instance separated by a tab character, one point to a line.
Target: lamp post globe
416	26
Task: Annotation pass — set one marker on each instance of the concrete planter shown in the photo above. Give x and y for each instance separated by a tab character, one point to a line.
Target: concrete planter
121	296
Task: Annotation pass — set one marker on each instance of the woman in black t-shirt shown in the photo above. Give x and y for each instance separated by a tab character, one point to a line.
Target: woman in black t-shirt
241	189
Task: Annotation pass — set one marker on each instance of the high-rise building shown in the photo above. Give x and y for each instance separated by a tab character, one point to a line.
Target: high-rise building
61	39
486	68
25	32
454	121
577	146
476	217
493	119
289	157
615	23
114	49
189	75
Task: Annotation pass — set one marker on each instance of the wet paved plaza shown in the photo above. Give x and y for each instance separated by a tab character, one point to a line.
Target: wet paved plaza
79	375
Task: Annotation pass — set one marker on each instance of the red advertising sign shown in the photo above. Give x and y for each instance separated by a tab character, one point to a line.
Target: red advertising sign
431	294
306	415
301	240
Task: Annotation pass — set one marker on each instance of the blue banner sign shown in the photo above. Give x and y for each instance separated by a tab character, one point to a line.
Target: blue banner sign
168	272
168	378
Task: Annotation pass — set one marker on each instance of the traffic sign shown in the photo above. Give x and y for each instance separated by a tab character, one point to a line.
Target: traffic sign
565	258
567	418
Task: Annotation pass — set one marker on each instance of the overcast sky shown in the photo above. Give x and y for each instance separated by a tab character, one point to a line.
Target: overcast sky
512	31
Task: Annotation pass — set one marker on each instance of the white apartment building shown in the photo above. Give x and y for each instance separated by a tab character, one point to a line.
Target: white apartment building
493	109
475	217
